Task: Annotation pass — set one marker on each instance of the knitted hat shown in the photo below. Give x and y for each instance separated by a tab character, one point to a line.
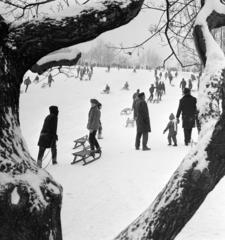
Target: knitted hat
53	109
142	94
186	91
94	101
171	117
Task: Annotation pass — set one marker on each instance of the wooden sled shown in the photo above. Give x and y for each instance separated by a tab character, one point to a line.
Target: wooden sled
105	92
126	111
44	85
80	142
86	155
130	122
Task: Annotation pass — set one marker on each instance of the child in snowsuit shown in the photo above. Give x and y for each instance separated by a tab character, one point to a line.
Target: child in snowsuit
172	127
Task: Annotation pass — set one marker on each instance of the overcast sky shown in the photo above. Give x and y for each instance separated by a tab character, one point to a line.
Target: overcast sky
132	33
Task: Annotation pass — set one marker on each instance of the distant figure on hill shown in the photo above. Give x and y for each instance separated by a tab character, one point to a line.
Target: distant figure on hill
187	107
36	79
183	84
108	68
170	76
48	136
93	125
50	80
151	90
193	78
166	75
190	85
78	72
27	82
143	122
126	86
172	127
107	89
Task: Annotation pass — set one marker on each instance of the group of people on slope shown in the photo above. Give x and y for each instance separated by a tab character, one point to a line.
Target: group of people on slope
48	135
27	81
187	108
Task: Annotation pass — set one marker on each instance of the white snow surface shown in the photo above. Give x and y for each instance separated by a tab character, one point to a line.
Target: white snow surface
64	53
102	198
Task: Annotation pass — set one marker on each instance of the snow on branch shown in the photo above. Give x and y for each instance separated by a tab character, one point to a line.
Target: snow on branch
60	58
36	38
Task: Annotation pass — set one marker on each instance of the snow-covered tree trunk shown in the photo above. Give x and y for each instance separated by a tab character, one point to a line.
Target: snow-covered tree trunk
204	165
30	200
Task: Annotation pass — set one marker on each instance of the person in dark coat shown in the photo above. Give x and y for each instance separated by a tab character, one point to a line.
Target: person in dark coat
187	107
183	84
48	136
143	123
151	90
27	82
93	125
50	80
172	127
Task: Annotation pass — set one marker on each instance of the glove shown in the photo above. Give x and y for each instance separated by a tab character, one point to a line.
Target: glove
164	132
178	121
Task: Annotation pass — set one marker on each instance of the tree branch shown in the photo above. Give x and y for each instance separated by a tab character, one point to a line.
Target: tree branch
37	38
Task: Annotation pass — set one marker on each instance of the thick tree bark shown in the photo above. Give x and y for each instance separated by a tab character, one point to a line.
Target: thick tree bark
204	165
30	200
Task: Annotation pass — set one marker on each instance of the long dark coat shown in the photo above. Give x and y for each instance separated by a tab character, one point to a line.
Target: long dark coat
48	134
143	121
187	107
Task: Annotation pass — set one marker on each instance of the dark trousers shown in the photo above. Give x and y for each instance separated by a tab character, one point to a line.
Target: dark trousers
144	136
41	154
187	135
172	137
27	85
93	141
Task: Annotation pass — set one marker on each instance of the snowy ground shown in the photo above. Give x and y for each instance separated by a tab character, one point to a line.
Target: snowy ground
102	198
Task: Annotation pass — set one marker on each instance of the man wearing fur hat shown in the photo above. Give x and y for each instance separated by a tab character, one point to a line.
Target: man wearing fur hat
93	125
143	123
187	107
48	136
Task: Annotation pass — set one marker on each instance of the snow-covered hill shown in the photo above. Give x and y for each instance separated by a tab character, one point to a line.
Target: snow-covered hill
102	198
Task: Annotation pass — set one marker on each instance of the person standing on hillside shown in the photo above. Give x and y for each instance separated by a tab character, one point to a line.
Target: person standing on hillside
187	107
48	136
172	127
143	123
50	80
183	84
27	82
93	125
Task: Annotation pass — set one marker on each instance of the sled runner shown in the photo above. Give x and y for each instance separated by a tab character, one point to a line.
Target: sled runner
105	91
44	85
86	155
130	122
80	142
126	111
